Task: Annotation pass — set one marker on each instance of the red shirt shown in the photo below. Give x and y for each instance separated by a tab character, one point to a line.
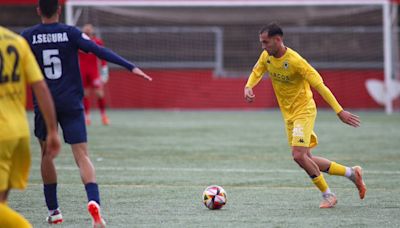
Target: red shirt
89	62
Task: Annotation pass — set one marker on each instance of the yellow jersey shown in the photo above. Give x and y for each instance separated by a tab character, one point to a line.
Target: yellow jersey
18	67
291	77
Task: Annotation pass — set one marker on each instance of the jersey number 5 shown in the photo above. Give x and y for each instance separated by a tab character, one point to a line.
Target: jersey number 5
52	64
11	50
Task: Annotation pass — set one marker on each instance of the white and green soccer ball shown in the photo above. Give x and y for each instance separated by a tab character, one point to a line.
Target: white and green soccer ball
214	197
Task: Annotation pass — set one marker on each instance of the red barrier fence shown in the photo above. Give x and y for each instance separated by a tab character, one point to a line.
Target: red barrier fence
198	89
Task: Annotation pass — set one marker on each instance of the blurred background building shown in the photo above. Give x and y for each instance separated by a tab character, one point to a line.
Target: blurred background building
200	53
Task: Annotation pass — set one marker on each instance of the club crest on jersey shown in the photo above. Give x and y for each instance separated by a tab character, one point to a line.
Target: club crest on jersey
285	65
86	37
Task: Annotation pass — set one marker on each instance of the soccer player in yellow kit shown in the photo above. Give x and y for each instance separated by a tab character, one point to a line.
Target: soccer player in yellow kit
291	77
17	68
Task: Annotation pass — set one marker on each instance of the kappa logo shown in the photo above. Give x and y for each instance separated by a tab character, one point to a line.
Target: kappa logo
268	62
301	140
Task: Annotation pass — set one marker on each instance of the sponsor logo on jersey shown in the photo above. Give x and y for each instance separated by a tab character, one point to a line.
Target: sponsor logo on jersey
279	77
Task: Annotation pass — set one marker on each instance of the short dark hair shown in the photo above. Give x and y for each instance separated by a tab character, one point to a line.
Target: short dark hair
48	7
272	29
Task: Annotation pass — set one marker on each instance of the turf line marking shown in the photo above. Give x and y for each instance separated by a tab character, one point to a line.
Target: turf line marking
160	169
150	185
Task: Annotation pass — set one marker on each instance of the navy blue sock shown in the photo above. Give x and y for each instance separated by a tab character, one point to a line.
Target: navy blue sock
50	194
92	191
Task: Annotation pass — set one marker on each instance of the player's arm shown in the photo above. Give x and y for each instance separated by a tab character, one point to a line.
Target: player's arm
257	73
104	53
315	80
35	79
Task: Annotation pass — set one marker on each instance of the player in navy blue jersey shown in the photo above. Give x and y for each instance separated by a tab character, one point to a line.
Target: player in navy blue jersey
55	47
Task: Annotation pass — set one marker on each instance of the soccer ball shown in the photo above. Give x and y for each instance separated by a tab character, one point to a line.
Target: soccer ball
214	197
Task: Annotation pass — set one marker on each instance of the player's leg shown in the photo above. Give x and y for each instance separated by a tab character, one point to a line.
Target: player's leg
4	195
84	163
88	176
299	134
10	218
49	177
86	105
352	173
303	160
48	173
299	139
98	88
14	171
102	105
300	156
74	130
86	82
332	168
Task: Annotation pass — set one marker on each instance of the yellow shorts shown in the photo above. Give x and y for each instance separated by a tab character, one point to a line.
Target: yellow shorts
15	162
300	131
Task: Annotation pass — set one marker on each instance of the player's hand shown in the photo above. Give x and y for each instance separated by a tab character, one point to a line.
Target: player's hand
53	144
104	73
140	73
349	118
248	94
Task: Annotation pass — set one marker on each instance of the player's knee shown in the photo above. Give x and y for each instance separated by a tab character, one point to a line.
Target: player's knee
298	156
3	196
99	93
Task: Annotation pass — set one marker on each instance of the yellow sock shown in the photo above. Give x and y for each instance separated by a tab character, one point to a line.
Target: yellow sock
320	182
337	169
11	219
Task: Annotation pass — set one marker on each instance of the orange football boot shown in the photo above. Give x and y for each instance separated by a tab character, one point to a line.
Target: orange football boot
358	181
94	210
329	201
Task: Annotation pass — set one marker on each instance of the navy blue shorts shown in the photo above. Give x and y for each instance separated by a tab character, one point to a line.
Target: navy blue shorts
72	124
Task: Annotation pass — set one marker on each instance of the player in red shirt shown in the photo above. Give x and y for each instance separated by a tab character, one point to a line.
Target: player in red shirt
89	64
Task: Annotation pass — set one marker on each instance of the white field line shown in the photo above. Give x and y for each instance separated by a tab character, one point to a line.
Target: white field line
162	169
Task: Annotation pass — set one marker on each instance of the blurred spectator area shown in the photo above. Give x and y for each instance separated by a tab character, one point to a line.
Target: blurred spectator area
330	37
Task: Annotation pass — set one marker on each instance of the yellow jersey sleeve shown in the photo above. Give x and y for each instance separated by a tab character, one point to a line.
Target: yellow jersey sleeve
258	70
31	69
328	97
315	80
309	73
